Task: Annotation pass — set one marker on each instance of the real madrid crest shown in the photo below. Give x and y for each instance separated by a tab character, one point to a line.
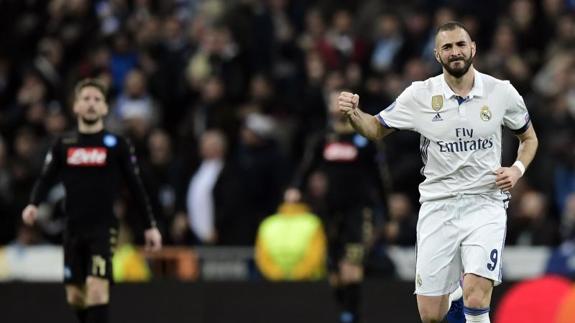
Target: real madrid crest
437	102
484	113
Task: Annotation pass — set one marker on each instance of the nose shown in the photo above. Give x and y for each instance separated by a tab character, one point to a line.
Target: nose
455	53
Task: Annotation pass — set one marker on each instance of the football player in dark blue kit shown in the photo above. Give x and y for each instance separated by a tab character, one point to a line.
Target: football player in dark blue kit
91	163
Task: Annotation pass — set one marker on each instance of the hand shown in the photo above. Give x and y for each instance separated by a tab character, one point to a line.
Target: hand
292	195
153	239
347	102
29	214
507	177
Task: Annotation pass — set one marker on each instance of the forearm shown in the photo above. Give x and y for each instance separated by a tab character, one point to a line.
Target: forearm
39	192
138	190
368	125
311	158
131	172
527	147
44	183
526	151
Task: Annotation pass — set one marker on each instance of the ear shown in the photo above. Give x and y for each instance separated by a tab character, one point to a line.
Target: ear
436	54
473	49
75	107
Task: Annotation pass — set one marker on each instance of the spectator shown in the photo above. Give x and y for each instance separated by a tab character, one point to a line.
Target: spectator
160	173
262	172
212	197
402	221
136	110
388	42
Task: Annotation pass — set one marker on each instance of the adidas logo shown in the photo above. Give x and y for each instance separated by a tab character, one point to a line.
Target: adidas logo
437	117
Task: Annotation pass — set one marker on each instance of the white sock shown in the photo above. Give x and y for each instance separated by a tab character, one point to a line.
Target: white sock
482	318
457	294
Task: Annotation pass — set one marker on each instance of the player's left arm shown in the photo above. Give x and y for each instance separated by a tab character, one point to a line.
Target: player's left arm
507	177
131	172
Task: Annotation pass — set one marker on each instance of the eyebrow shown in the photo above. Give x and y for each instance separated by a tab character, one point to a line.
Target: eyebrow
459	43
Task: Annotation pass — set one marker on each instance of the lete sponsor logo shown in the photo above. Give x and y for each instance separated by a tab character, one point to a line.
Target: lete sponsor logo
86	156
340	152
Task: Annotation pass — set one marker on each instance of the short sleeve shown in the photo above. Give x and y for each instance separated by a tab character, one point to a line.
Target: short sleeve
516	115
399	114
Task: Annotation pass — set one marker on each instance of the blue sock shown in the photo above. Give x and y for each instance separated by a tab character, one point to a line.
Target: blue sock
455	313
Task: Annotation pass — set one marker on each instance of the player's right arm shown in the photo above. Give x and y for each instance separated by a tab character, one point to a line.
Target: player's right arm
310	161
365	124
48	177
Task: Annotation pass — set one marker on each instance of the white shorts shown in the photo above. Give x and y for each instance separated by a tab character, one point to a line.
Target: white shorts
459	235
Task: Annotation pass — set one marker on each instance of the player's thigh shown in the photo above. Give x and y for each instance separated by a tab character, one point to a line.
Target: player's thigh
345	237
438	262
102	245
432	308
481	250
353	234
351	265
75	259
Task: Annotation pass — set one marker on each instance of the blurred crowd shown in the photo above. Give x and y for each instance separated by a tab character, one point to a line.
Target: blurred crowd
220	97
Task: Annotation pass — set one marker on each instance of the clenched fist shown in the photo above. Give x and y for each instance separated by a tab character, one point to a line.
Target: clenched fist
29	214
347	102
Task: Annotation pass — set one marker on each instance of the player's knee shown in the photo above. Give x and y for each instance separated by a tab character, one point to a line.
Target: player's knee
351	266
350	273
474	301
476	297
97	291
75	296
428	317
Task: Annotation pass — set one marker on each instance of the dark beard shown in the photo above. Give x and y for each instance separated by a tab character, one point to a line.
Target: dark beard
458	72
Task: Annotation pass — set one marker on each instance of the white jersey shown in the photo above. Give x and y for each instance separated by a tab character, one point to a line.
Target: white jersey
460	137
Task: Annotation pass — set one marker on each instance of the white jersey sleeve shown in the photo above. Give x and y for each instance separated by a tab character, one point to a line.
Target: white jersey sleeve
399	114
516	116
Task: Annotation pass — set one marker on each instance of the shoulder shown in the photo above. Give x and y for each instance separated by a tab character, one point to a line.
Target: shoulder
426	86
492	84
420	90
417	86
67	138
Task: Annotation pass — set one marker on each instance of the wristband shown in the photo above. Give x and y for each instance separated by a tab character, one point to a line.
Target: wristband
520	165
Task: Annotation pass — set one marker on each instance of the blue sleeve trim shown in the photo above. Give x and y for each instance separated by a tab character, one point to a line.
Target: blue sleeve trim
384	123
524	128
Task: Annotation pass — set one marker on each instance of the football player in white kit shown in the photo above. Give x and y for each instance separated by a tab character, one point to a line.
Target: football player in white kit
462	220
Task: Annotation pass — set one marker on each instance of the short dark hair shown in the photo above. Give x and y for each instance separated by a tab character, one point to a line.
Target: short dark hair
90	82
451	25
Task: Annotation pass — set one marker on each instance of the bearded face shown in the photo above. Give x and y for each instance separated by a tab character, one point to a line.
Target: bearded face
454	51
90	106
457	66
